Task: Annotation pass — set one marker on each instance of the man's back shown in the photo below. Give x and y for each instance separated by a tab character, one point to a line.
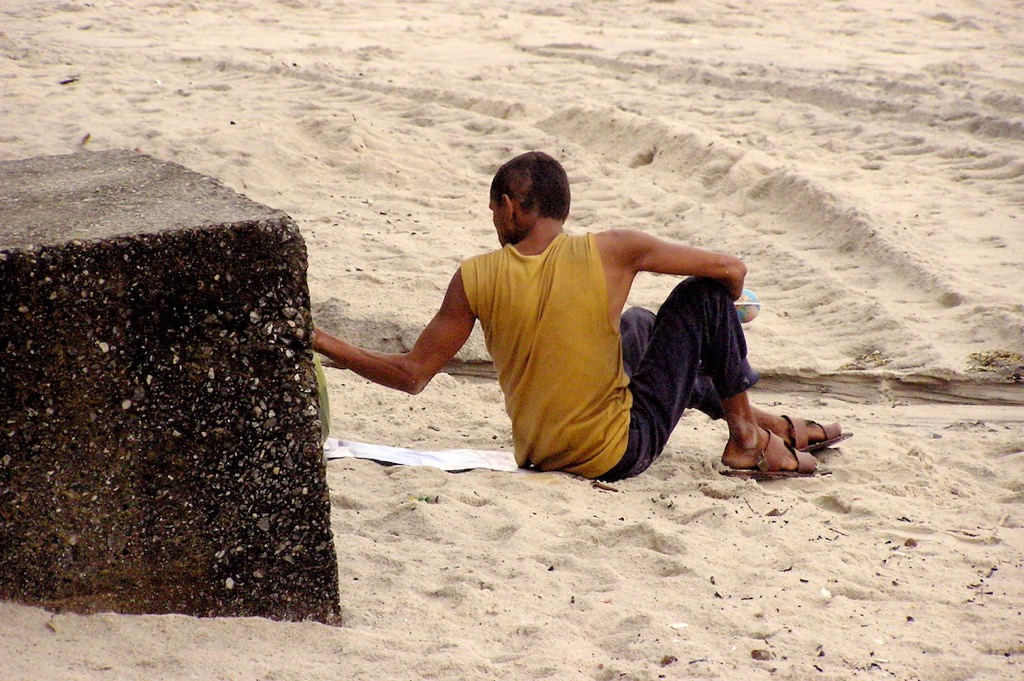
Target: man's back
559	360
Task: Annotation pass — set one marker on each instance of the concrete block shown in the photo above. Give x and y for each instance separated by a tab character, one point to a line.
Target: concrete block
159	435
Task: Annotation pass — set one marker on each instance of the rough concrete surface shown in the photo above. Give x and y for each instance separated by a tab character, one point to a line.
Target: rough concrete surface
160	441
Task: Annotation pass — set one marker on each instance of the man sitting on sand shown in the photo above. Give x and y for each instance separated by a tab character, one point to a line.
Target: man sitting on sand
590	390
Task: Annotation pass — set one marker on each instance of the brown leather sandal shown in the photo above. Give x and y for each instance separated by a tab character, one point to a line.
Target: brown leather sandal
799	438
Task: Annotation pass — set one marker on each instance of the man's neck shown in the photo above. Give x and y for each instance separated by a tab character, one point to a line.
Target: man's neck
540	236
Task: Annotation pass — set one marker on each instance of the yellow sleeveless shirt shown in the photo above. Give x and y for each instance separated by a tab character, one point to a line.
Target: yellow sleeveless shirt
559	361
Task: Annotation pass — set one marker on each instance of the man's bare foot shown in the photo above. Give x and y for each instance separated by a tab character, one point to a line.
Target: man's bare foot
769	452
768	421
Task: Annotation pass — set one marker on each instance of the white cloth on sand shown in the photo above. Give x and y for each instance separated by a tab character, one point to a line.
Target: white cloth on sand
445	459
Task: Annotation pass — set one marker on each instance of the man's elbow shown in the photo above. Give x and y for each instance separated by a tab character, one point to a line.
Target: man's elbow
413	383
741	271
735	275
413	387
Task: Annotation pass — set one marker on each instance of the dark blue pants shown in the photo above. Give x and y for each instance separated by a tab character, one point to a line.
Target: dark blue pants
692	354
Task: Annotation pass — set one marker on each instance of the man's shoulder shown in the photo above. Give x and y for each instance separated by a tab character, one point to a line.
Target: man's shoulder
624	240
478	269
611	241
619	234
481	257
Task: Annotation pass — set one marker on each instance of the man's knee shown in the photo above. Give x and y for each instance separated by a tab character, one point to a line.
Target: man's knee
636	317
635	327
699	289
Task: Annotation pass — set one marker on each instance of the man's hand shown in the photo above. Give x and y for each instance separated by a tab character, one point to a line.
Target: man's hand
409	371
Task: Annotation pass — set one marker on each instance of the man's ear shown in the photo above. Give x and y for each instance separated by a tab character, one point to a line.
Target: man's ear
513	207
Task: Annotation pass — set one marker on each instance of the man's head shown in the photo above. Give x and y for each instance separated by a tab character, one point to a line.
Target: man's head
537	182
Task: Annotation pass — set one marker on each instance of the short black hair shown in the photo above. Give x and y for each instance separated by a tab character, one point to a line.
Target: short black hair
537	181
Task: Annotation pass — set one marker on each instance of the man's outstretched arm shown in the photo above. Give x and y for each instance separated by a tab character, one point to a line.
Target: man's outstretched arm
409	371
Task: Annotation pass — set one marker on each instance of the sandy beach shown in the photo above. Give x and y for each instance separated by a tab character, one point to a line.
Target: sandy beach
865	158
